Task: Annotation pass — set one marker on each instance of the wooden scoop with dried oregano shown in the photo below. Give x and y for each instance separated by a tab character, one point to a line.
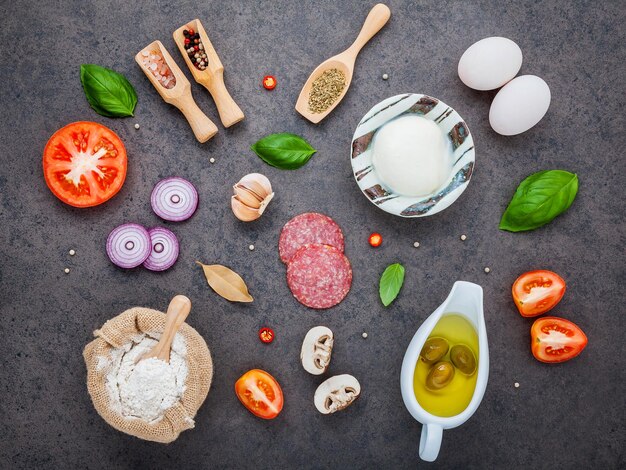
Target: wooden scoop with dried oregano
325	90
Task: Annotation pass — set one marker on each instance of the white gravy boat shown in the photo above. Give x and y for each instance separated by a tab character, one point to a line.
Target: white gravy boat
466	299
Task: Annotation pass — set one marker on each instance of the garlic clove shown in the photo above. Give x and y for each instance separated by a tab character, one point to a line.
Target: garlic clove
243	212
257	183
252	195
265	202
248	197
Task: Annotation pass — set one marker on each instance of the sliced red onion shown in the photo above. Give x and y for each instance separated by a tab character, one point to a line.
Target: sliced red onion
164	249
128	245
174	199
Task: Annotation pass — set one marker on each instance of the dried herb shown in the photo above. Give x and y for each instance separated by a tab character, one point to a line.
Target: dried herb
226	282
325	90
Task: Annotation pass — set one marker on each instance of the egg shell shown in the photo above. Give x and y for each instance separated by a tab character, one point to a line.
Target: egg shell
490	63
519	105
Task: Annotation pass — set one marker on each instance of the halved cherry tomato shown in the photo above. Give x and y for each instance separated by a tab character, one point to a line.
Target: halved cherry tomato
84	164
555	339
536	292
260	393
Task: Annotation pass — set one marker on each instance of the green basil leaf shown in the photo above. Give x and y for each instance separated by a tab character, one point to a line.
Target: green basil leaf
390	283
108	92
539	199
284	151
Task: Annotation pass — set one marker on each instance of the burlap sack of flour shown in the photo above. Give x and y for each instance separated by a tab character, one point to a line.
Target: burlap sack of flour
119	331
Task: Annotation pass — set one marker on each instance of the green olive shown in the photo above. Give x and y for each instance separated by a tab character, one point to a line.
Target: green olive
463	359
439	376
434	350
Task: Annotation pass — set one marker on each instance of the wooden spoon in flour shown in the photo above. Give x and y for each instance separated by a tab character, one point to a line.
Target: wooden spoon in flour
177	312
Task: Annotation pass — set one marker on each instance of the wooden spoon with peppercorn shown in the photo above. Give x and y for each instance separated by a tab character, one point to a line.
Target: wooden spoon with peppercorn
207	69
329	82
174	87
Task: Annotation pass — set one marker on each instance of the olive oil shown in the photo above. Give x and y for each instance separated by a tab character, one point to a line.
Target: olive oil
454	397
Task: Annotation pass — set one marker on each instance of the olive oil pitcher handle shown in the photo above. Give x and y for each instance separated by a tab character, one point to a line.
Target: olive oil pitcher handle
430	442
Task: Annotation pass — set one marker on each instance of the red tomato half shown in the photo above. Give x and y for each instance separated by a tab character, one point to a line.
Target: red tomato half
84	164
260	393
536	292
556	339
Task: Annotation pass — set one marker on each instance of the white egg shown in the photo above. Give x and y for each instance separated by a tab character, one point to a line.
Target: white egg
490	63
519	105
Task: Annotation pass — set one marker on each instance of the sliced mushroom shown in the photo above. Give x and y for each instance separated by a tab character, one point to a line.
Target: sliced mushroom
317	348
336	393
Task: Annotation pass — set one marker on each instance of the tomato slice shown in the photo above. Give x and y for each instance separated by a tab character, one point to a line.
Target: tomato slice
260	393
555	339
84	164
536	292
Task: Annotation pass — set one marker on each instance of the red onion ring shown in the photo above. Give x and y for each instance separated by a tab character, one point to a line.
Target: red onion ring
128	245
174	199
164	249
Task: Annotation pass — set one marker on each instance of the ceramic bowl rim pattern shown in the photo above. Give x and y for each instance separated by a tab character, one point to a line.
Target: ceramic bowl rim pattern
453	126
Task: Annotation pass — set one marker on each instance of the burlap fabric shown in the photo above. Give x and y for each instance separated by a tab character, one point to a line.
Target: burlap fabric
118	331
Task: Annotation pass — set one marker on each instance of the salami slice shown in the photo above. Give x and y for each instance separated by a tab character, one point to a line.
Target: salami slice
308	228
319	276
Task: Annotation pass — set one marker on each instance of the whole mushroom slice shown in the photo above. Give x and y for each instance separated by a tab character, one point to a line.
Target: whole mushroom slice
317	348
336	393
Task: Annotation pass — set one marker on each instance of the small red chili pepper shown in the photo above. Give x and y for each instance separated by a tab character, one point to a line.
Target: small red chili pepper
266	335
187	41
191	32
376	239
195	48
269	82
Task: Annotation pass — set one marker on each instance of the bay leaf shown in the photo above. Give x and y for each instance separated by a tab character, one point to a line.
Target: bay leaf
226	282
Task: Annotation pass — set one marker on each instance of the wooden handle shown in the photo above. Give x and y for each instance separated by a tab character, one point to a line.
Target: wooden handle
376	19
202	127
177	312
230	113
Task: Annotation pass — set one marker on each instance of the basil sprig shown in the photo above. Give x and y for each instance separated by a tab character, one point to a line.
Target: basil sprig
538	199
284	151
108	92
390	283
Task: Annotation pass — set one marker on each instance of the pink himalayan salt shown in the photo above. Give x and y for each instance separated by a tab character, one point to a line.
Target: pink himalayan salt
159	68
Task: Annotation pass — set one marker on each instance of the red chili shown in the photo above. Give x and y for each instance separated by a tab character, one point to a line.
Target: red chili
269	82
191	32
195	48
266	335
186	40
376	239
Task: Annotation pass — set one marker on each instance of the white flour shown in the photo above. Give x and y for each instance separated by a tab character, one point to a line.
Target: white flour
145	389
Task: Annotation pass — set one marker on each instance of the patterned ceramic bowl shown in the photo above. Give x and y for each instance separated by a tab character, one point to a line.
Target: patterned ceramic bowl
450	123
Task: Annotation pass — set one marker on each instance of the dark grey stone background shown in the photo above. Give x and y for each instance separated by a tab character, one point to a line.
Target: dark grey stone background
563	416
